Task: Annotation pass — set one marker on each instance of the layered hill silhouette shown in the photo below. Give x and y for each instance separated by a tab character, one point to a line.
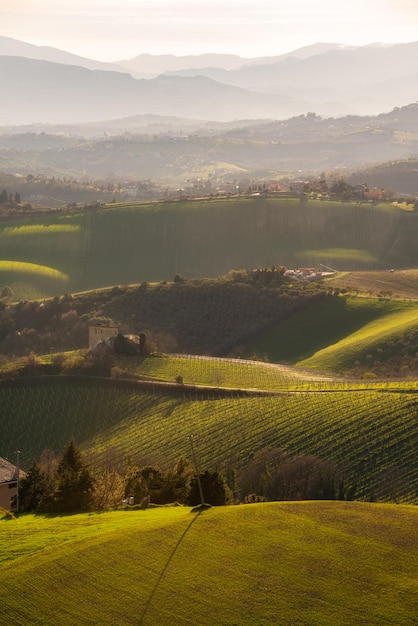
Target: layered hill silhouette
328	79
175	150
68	93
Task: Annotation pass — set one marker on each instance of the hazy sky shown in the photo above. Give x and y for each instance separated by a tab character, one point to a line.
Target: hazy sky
110	30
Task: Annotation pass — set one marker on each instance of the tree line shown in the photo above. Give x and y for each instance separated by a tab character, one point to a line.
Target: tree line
68	485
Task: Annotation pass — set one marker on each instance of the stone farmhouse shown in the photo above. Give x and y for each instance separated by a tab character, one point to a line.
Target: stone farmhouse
101	332
8	483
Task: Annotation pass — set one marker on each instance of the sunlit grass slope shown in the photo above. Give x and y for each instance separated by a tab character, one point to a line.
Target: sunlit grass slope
43	256
344	353
331	334
219	372
32	280
337	256
289	563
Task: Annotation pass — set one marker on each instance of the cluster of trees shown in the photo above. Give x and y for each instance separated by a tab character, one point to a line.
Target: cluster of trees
42	327
67	485
341	189
269	275
272	474
9	198
213	317
57	486
396	358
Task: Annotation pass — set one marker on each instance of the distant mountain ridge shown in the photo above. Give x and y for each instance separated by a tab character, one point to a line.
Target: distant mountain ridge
328	79
159	64
150	65
14	47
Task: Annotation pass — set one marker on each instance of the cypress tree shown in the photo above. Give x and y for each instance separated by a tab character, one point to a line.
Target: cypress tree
74	485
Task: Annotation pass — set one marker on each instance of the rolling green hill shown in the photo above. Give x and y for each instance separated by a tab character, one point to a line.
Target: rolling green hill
339	334
152	242
257	316
374	340
368	430
290	563
208	316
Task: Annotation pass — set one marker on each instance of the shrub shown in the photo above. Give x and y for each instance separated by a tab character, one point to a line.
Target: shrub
253	498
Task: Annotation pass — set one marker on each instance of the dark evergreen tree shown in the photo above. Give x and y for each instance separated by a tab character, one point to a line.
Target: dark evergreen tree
215	490
35	490
176	482
74	485
142	342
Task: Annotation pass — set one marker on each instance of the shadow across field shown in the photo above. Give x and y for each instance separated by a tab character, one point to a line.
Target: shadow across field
166	566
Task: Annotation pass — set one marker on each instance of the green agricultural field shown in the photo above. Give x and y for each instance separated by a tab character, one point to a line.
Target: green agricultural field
218	372
367	430
337	257
124	243
329	563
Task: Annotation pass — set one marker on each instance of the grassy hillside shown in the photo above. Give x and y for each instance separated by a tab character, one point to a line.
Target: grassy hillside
373	342
259	316
299	563
339	334
367	430
152	242
399	175
211	316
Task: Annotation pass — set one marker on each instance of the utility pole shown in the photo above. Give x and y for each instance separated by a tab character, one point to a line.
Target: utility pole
202	499
18	480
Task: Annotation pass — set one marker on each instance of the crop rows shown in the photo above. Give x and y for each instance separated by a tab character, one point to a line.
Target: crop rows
218	372
247	374
370	435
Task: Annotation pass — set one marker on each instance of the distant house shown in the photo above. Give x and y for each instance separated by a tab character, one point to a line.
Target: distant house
309	273
8	483
298	185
